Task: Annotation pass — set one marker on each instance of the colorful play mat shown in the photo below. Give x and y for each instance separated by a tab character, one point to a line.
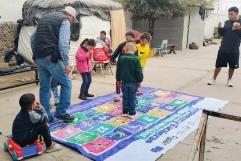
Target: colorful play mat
100	132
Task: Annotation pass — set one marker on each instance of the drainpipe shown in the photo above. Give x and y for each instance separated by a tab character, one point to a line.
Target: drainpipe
188	27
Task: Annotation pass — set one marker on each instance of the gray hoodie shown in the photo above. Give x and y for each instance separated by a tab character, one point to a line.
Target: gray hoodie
38	115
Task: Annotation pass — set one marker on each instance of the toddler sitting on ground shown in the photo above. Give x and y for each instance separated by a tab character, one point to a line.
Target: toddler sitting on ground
32	122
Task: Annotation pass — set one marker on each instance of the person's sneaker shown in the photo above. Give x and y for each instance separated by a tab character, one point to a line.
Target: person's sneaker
133	115
211	82
90	95
82	97
230	84
53	148
65	118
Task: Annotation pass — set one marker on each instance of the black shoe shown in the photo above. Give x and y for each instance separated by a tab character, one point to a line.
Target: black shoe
133	113
113	63
50	119
56	104
82	97
125	112
89	95
65	118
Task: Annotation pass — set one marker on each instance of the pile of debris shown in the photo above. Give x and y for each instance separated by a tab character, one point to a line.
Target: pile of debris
7	35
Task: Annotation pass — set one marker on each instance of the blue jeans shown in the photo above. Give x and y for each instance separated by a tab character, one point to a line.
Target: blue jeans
55	91
48	71
129	98
86	77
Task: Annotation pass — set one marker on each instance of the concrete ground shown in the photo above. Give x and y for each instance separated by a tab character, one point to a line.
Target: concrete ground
188	71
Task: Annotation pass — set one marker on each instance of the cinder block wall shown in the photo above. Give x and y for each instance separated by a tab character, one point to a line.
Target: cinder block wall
128	18
7	34
170	29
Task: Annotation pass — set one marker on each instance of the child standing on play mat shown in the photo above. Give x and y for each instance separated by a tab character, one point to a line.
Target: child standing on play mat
32	122
129	75
143	49
83	61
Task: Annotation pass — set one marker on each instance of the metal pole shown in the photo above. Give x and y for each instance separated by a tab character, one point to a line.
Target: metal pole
188	28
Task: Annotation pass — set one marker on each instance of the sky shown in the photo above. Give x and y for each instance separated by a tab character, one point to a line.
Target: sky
222	6
11	10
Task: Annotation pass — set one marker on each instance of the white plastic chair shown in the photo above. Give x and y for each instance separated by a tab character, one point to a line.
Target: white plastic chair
163	48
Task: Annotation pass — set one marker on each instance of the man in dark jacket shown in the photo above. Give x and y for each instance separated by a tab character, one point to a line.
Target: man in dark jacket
228	53
50	46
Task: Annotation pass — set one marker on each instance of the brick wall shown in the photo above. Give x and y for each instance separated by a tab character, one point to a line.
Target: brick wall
7	33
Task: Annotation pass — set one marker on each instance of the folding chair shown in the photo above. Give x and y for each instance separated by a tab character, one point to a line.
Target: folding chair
109	66
163	48
99	59
100	64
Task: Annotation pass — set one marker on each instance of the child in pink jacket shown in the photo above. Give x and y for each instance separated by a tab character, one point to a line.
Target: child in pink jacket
83	61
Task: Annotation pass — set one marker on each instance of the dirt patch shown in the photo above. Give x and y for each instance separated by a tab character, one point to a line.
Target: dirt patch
215	140
16	79
214	147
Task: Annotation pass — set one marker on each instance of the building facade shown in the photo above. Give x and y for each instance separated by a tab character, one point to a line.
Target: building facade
180	30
